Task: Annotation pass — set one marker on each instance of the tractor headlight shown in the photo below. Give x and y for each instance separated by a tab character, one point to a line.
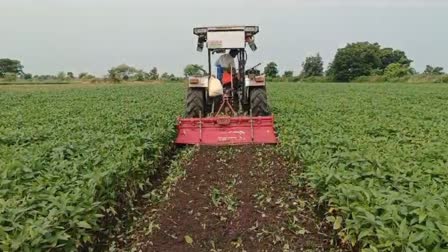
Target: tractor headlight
252	29
199	30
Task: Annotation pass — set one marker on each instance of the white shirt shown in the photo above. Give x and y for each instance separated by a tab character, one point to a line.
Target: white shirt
225	61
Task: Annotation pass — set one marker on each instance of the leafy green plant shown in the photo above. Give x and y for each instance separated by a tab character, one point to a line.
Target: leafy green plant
69	157
377	153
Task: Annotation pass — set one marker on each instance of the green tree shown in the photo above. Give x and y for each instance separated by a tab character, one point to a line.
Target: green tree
433	70
88	76
271	70
141	76
396	70
288	74
313	66
364	59
82	75
70	75
172	77
390	56
61	76
165	76
27	76
355	60
114	76
44	77
10	66
153	74
192	70
168	77
122	72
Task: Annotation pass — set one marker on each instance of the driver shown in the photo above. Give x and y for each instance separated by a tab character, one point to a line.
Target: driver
226	62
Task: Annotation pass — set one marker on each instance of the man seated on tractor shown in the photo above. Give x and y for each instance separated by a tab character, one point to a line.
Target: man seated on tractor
224	65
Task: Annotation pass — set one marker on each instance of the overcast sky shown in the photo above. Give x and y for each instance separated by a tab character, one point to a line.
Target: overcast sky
49	36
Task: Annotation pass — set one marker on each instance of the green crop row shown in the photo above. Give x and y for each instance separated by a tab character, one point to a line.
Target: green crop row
68	156
377	153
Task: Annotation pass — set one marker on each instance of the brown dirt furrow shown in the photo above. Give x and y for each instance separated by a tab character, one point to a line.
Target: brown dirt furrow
236	199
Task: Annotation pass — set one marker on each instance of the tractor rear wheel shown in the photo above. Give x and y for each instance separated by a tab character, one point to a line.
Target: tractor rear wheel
259	102
195	102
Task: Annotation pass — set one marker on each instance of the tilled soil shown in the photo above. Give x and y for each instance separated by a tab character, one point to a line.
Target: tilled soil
235	199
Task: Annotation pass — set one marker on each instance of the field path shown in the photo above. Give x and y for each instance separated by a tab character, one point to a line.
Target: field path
235	199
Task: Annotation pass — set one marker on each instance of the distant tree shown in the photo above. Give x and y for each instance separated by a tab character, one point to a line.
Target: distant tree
61	76
114	76
396	70
168	77
364	59
438	70
86	76
141	76
45	77
271	70
165	76
70	75
433	70
390	56
82	75
172	77
121	72
288	74
412	71
27	76
192	70
355	60
10	66
313	66
153	74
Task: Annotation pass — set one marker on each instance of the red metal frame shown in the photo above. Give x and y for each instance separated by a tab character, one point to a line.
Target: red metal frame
226	130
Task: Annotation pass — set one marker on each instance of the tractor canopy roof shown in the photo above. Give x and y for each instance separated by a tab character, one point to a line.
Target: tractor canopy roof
202	31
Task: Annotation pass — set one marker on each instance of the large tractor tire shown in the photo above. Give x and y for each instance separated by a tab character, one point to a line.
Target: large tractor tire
195	102
259	102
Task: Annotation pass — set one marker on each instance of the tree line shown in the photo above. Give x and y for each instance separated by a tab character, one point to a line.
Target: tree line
360	61
12	70
356	61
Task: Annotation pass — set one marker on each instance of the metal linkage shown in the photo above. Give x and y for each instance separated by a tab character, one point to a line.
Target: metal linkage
226	102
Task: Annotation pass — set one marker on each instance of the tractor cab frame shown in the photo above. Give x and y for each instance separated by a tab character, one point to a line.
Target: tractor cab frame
219	39
241	114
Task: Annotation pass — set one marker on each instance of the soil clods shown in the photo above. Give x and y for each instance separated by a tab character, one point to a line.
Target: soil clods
236	199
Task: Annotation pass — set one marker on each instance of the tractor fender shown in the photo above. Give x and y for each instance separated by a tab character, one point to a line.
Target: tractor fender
198	82
255	81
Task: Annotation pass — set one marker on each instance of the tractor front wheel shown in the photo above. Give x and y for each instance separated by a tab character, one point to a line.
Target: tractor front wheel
195	102
259	102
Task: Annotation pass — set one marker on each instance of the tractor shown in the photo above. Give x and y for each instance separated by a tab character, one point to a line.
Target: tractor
239	112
